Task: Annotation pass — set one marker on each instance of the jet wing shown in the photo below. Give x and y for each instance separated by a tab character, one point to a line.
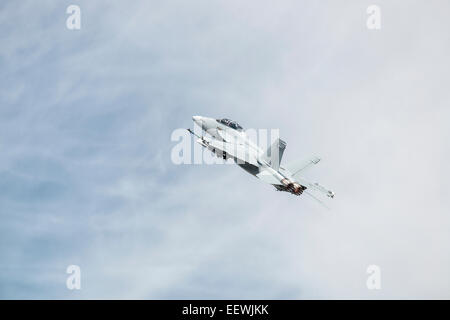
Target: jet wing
296	167
268	177
238	151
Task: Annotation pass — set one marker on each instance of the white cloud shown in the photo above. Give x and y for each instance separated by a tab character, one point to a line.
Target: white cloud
86	176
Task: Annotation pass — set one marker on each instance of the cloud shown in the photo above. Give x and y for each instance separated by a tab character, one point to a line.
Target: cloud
86	178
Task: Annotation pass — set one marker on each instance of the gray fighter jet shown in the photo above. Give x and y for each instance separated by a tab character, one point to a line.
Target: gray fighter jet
227	139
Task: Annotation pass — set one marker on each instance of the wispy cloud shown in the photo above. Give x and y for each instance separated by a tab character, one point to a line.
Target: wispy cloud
85	172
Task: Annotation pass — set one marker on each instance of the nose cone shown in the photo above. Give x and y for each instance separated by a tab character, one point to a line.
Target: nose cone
197	120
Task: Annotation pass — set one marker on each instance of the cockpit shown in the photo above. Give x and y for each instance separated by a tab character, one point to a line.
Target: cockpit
230	123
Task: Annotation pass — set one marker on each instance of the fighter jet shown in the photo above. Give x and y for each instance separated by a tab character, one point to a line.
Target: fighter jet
227	139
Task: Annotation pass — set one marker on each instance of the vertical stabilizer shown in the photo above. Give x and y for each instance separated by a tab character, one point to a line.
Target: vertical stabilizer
274	153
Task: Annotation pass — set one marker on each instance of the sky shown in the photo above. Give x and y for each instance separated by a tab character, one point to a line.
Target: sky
86	176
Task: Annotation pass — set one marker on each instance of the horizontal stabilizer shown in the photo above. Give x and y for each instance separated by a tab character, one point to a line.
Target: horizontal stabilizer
296	167
314	186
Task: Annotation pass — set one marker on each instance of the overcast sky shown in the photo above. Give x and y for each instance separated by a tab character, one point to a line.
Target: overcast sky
86	176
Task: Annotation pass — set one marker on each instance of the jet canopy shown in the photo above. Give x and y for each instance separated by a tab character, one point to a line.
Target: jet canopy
230	123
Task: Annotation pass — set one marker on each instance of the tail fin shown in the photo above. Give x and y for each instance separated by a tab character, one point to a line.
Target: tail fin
274	153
